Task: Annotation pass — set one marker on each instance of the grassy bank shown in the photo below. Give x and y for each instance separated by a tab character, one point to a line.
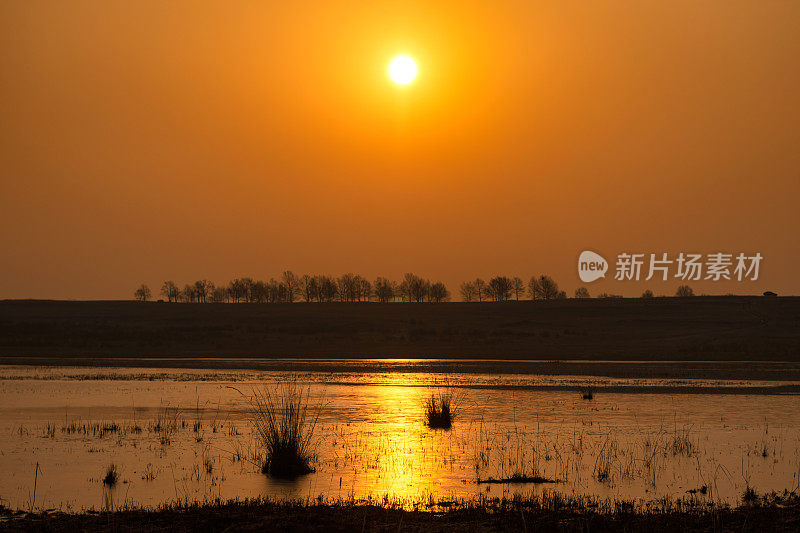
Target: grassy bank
776	513
699	328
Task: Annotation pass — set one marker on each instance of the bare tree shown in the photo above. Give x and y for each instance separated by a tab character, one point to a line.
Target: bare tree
384	290
219	295
259	292
276	291
202	289
438	292
348	285
404	290
414	288
467	291
187	294
480	289
170	291
238	290
142	293
684	291
308	287
247	289
328	289
517	287
364	289
543	288
499	288
292	284
582	292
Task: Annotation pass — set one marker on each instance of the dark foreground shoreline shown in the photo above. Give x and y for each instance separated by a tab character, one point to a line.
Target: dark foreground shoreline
661	329
774	513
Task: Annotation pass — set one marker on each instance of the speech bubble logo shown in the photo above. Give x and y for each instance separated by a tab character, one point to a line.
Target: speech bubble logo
591	266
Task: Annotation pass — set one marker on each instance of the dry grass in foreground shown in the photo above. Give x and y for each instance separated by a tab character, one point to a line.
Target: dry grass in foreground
549	511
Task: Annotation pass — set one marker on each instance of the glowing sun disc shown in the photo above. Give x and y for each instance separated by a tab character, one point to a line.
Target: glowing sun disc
402	70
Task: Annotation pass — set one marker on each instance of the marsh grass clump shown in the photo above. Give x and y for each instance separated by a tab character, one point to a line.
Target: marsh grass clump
284	422
149	474
517	477
111	477
682	443
749	497
439	410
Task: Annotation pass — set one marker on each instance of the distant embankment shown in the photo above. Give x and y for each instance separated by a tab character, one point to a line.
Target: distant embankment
698	328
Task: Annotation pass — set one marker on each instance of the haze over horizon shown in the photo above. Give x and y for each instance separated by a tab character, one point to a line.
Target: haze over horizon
149	141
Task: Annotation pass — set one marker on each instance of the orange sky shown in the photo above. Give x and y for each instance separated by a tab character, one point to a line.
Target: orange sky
144	141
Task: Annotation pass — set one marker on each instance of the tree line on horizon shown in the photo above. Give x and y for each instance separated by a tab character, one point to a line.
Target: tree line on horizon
292	288
355	288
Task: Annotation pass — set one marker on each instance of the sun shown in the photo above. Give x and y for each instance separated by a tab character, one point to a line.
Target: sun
402	70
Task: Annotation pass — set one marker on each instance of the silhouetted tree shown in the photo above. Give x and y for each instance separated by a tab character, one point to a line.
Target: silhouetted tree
219	295
467	291
187	294
683	291
647	293
499	288
582	292
238	290
142	293
277	292
543	288
308	287
202	289
170	291
259	292
348	285
414	288
328	289
292	284
438	292
517	287
480	289
384	290
247	289
364	289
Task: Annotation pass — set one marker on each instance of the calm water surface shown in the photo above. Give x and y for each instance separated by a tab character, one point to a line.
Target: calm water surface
185	435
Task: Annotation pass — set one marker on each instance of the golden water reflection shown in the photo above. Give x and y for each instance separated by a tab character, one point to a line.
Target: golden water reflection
191	441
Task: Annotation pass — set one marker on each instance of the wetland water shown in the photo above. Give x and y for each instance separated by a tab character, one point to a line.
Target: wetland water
181	434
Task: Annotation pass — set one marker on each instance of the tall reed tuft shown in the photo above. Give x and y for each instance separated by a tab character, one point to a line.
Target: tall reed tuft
439	412
111	476
284	422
